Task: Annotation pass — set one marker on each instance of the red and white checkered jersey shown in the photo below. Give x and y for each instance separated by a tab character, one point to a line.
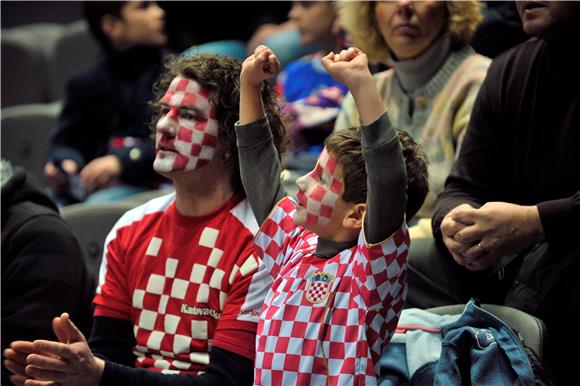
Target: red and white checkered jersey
185	283
325	321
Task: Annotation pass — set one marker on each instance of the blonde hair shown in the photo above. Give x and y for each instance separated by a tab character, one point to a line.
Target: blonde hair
358	20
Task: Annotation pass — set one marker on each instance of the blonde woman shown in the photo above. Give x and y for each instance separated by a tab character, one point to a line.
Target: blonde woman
433	80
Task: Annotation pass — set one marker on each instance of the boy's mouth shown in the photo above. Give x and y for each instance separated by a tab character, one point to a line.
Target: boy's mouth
301	199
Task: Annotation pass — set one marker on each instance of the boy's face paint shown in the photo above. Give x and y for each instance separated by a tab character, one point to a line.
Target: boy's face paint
318	191
187	132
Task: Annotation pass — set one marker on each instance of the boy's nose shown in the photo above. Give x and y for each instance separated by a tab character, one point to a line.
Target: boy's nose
301	183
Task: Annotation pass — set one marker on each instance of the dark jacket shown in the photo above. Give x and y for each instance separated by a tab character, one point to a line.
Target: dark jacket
522	147
106	111
43	272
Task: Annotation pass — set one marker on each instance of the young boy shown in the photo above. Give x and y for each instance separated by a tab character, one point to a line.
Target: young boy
335	292
101	149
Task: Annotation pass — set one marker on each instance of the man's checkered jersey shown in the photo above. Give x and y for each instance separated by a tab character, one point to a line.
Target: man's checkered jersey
185	283
325	319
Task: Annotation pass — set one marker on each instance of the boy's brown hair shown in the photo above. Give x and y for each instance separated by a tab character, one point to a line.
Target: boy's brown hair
345	145
221	75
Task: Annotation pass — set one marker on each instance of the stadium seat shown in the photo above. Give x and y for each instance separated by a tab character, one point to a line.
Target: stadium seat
26	52
25	134
73	49
91	223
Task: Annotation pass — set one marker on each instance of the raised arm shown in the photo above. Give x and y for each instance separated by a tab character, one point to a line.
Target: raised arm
259	160
386	176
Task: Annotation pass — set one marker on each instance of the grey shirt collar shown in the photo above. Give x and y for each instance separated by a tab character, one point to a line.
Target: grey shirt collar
416	72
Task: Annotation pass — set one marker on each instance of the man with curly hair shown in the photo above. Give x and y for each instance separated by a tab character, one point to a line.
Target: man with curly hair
433	80
177	291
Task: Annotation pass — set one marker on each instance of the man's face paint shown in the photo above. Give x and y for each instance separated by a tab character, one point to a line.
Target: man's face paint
319	190
187	132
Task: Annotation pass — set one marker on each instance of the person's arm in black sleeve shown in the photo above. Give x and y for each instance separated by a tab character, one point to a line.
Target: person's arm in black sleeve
259	162
386	179
561	220
259	167
386	174
224	369
112	340
479	173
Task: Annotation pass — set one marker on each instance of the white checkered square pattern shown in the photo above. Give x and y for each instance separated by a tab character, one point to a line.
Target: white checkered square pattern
309	336
161	331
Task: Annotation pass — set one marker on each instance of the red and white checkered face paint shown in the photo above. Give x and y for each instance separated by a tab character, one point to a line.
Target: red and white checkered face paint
319	190
187	134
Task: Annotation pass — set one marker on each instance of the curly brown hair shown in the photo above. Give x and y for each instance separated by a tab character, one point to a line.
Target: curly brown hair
221	76
345	145
358	20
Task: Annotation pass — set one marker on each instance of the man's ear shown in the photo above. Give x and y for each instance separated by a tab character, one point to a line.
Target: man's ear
353	219
111	27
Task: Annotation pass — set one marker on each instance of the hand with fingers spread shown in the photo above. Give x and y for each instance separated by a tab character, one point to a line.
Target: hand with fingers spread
69	362
476	238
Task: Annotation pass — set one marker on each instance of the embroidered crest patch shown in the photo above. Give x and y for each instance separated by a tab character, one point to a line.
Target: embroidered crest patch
319	285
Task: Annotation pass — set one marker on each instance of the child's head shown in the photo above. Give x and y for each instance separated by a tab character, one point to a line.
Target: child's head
198	101
121	25
337	187
317	22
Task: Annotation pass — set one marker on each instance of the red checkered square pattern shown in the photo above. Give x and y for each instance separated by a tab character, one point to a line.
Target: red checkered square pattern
340	338
195	140
319	189
178	279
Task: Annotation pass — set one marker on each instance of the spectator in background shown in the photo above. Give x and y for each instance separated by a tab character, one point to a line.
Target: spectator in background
311	96
508	222
43	271
178	291
435	78
500	29
101	148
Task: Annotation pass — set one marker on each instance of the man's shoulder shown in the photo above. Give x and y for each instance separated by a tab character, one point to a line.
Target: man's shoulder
152	209
245	217
522	53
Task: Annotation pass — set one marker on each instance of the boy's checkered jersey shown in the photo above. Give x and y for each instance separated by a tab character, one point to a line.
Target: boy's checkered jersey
185	283
325	317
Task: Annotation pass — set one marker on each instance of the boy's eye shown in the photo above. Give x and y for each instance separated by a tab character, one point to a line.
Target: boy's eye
164	110
186	114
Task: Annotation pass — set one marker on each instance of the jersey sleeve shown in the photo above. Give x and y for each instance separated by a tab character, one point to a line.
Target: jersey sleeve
380	272
277	236
236	329
113	298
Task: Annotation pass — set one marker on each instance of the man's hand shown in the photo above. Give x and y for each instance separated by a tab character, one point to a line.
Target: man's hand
349	66
15	360
100	173
477	238
69	363
56	178
261	65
